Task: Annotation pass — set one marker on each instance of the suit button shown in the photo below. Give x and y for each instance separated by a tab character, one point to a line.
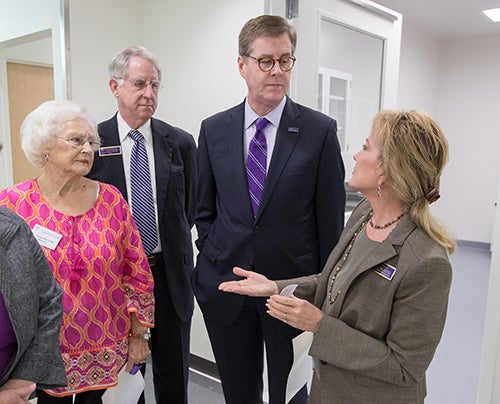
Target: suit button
256	229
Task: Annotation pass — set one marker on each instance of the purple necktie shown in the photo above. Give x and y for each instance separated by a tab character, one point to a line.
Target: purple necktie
256	164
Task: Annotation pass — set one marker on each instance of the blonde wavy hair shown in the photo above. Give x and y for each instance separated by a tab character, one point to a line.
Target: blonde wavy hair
413	153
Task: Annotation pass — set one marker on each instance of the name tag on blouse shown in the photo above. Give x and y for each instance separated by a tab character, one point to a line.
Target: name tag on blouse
385	270
46	237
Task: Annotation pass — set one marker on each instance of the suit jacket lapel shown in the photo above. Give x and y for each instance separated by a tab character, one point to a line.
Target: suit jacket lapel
286	139
234	133
163	163
108	132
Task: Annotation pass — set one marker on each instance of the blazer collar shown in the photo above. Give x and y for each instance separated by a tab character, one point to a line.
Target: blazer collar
387	250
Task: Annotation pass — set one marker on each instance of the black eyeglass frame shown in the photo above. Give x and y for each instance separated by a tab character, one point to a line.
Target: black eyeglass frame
259	62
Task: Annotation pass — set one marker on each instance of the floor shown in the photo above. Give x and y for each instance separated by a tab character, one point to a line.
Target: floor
452	377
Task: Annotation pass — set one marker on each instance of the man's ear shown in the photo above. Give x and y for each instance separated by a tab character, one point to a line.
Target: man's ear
113	86
241	65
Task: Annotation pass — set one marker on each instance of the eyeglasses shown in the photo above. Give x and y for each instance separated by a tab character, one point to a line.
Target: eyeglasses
140	85
79	142
266	64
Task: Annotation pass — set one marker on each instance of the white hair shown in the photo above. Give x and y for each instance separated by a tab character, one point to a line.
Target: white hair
42	124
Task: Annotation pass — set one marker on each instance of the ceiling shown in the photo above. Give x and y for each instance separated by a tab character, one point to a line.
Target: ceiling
447	20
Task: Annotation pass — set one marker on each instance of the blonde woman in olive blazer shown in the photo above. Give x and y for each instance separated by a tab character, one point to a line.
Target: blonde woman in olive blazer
378	312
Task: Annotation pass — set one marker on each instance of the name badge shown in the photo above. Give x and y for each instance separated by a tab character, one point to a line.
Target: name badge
46	237
110	151
385	270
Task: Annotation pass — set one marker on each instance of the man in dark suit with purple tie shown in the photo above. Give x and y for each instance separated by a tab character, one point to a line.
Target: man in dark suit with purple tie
286	229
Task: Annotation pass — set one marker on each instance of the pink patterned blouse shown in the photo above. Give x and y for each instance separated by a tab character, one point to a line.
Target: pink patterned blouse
101	265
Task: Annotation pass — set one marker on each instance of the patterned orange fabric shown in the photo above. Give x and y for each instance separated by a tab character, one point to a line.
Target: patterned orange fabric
100	263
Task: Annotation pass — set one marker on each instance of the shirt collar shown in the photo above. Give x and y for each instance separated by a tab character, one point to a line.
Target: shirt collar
124	129
273	116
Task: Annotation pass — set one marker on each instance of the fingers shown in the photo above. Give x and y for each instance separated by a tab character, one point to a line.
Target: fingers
283	308
229	286
233	286
241	272
129	366
136	358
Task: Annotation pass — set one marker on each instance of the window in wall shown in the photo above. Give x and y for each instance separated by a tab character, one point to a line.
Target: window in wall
334	100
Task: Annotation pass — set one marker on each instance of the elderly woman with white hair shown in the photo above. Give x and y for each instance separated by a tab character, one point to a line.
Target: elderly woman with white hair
93	247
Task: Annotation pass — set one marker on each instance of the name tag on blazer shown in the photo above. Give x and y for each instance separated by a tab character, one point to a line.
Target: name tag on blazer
110	151
385	270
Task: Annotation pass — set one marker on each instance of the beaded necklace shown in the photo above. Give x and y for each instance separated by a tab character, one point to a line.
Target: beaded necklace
332	299
385	226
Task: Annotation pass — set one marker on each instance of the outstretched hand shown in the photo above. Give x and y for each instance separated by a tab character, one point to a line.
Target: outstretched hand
254	284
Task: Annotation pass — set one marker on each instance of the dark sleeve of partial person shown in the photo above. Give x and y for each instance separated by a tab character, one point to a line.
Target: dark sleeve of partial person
207	192
190	176
41	361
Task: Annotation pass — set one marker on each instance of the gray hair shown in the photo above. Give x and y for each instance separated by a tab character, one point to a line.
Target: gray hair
118	67
42	124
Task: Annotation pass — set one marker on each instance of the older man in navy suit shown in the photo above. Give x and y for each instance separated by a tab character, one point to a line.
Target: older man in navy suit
271	199
167	176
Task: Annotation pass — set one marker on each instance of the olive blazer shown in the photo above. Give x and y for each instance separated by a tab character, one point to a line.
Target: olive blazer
376	341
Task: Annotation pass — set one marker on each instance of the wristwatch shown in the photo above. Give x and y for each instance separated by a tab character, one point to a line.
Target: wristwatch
146	336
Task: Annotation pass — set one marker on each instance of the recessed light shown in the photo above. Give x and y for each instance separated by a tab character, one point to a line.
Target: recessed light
493	14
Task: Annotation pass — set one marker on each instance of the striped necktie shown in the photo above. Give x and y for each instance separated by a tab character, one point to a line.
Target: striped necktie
143	208
256	166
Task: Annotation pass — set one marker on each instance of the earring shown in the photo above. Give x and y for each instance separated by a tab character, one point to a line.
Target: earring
46	156
379	191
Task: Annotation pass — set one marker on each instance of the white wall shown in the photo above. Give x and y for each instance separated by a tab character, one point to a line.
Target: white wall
23	17
468	109
99	30
419	70
197	45
459	84
35	52
489	378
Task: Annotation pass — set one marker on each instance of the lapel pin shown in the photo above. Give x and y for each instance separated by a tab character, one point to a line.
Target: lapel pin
293	129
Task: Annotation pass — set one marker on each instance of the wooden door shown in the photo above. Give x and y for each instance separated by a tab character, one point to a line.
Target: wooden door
28	86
